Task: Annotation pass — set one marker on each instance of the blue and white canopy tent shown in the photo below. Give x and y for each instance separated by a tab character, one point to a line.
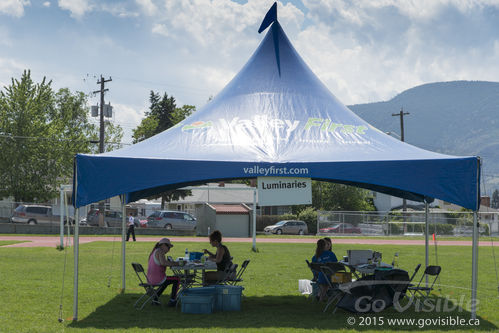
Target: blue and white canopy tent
276	118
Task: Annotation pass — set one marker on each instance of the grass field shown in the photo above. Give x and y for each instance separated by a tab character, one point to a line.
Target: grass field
32	285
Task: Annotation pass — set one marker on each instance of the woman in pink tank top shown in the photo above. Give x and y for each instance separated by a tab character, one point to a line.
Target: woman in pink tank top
156	270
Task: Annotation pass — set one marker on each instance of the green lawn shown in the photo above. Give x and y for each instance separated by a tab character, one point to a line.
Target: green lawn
32	279
2	243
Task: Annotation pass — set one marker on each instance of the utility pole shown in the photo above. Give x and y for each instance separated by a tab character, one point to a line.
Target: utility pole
401	114
102	90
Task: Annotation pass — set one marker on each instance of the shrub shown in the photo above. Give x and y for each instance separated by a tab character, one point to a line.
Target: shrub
309	215
441	228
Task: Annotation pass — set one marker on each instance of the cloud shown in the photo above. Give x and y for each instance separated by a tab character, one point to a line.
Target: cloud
13	7
160	29
128	117
46	4
359	11
10	68
117	9
367	51
78	8
147	6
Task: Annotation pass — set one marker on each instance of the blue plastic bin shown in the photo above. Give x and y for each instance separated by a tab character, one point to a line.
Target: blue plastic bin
198	304
195	255
228	298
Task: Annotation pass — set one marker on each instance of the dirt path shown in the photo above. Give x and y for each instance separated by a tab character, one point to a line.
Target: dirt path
53	241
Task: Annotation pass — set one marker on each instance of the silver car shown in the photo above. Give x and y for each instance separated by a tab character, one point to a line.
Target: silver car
287	227
171	220
35	214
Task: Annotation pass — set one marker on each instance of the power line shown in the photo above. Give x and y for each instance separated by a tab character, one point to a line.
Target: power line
164	84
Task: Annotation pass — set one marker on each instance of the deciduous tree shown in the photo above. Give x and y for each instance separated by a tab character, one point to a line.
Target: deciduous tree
40	133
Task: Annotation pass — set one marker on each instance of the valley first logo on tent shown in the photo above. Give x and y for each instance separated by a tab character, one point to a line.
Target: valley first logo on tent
324	125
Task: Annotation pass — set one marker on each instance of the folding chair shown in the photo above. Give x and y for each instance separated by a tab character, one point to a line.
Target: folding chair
313	281
229	274
239	274
329	269
151	289
315	271
419	289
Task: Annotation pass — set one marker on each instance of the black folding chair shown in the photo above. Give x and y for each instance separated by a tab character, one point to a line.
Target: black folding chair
422	290
315	271
238	278
329	269
228	275
151	289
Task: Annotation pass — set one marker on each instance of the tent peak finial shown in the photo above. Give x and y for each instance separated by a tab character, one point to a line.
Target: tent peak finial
269	18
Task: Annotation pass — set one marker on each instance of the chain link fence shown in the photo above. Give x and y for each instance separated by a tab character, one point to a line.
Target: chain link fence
410	223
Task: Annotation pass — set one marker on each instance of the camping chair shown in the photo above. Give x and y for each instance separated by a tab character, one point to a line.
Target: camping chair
422	289
238	277
151	289
329	269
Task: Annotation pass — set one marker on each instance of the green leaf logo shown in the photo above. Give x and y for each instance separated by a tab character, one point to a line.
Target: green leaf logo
197	125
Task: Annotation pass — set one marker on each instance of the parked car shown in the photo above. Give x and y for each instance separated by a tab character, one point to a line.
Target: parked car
140	221
112	218
35	214
341	228
171	220
287	227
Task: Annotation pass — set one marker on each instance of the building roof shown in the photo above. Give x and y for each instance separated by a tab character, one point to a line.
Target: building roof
231	209
204	194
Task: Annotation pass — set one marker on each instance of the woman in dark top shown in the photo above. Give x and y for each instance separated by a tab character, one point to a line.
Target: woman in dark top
221	257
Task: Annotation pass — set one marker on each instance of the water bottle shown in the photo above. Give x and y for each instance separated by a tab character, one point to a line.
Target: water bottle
186	257
395	260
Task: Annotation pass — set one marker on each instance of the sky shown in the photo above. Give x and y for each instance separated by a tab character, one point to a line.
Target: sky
363	50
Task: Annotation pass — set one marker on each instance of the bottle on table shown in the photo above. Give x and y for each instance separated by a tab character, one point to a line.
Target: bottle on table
186	256
395	259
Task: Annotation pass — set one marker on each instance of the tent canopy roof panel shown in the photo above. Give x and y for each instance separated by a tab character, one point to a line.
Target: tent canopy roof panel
276	118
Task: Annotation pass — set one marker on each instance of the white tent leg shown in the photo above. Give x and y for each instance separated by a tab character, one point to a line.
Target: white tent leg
474	266
123	243
61	212
426	239
76	243
254	219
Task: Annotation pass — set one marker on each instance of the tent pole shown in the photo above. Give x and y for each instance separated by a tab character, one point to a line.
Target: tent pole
123	243
61	212
76	243
426	241
474	266
254	220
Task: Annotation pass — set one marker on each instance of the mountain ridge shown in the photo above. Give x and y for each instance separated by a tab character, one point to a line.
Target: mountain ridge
455	117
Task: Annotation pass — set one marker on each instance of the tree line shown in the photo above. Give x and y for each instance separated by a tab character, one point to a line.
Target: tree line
41	131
